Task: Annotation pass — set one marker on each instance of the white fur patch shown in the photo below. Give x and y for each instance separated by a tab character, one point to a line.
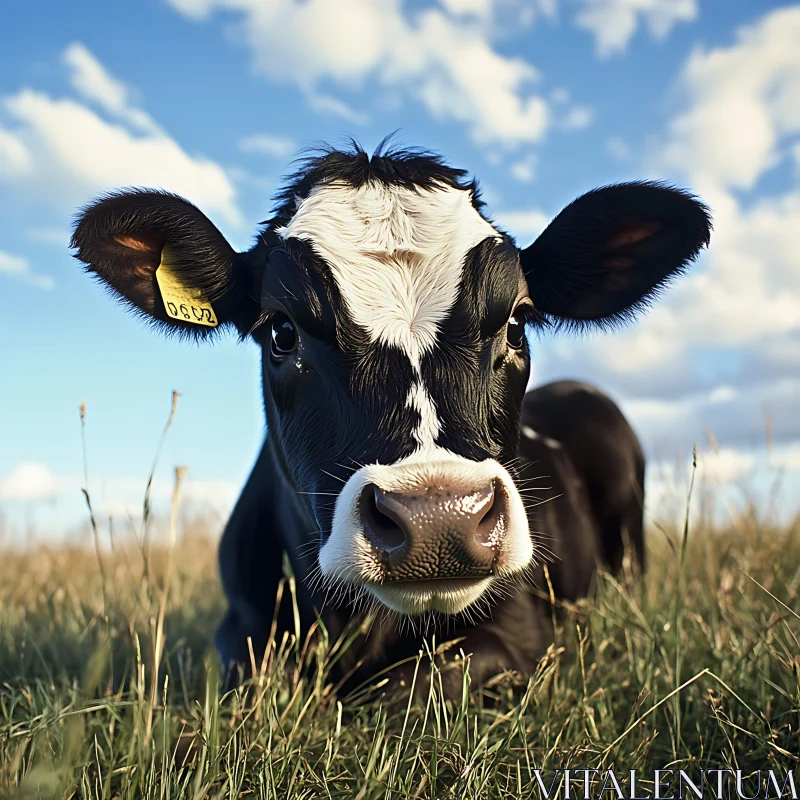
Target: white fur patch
545	440
397	255
429	427
421	599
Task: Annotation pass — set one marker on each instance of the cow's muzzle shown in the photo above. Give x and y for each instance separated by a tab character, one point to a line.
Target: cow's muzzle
435	532
429	533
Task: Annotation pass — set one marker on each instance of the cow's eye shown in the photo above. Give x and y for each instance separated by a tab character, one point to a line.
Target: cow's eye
515	330
283	335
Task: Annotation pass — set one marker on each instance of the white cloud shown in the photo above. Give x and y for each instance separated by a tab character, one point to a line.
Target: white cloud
93	82
516	13
647	413
726	465
722	394
482	8
444	60
17	267
36	485
15	158
66	152
90	78
727	482
524	170
122	497
613	23
577	119
788	457
619	149
523	225
219	495
326	104
675	408
268	144
30	480
743	102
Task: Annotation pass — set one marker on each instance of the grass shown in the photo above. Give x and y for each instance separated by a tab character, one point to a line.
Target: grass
108	686
80	715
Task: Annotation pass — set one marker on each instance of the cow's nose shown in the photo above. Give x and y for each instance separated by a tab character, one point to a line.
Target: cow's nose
435	532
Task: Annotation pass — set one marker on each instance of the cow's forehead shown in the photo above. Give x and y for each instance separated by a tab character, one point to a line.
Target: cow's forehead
396	253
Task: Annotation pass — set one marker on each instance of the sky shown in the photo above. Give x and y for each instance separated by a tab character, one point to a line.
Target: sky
541	100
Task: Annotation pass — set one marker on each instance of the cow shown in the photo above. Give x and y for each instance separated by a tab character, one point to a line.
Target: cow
405	471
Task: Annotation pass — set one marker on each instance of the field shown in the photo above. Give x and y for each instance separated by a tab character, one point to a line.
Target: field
695	668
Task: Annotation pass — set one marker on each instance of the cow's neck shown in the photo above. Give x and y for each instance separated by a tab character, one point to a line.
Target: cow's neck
293	520
294	526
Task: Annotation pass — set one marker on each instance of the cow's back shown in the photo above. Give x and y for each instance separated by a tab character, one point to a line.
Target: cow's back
605	456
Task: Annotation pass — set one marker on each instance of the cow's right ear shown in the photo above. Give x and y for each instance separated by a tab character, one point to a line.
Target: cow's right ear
162	256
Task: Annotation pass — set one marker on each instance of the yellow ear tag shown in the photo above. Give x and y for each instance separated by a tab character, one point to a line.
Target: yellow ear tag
180	302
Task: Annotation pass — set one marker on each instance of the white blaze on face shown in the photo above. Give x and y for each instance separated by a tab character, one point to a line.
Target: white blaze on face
397	256
428	428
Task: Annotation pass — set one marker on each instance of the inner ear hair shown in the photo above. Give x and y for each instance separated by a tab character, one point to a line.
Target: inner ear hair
140	242
632	234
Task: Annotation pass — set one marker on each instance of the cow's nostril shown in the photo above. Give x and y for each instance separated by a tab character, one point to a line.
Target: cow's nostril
489	529
381	528
432	532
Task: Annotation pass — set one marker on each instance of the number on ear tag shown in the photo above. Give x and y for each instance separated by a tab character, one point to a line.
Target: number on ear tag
180	302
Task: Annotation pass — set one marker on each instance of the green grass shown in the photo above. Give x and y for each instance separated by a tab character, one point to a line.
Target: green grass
696	667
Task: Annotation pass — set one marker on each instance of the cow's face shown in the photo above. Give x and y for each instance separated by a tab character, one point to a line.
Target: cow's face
391	316
396	410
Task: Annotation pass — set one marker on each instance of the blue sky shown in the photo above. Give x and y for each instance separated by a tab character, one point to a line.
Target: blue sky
541	100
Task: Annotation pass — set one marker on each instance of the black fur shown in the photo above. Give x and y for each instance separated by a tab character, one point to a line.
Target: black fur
341	401
408	167
571	265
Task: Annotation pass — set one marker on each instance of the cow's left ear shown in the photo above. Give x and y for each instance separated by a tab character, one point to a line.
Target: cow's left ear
164	258
607	254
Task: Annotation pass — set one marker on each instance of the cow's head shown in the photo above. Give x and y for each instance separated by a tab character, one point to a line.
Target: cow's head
391	316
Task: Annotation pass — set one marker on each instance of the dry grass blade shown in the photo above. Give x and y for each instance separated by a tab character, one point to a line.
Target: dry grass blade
653	708
88	499
776	599
158	645
149	486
